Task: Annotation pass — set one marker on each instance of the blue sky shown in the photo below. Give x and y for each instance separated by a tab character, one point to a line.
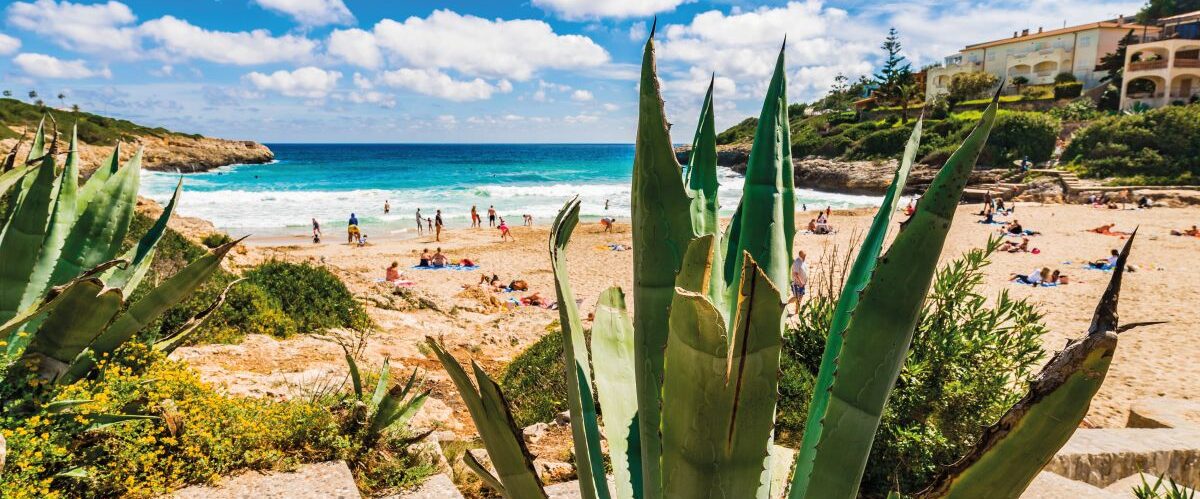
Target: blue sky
466	71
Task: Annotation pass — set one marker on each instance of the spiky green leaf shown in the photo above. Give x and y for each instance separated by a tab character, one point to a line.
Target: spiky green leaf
613	359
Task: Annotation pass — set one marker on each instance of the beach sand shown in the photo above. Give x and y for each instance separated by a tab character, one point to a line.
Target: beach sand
1151	361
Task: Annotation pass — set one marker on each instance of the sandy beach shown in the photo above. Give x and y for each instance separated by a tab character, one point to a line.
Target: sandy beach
1151	361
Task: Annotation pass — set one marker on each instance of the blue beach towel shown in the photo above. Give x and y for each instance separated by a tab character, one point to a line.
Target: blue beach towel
447	267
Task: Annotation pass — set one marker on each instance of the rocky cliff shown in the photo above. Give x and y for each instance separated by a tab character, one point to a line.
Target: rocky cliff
175	153
853	177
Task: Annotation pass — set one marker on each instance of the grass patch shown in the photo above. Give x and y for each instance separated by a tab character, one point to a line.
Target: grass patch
93	128
533	381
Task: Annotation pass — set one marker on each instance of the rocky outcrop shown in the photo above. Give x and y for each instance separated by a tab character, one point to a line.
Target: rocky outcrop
853	177
331	480
173	153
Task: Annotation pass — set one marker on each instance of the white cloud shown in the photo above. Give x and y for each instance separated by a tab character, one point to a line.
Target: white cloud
311	12
44	66
356	47
638	31
610	107
164	71
441	85
102	28
592	9
447	120
372	97
8	44
362	82
513	49
244	48
581	95
310	82
581	118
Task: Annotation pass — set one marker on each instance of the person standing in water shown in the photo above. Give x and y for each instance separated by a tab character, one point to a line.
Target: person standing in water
474	217
420	222
387	207
316	231
605	205
437	223
491	216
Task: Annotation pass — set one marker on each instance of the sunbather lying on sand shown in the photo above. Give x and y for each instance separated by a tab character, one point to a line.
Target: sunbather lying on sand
1106	263
1034	278
1188	232
1014	247
1107	230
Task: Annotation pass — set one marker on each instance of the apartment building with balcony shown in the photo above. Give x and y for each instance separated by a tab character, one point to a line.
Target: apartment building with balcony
1164	68
1039	55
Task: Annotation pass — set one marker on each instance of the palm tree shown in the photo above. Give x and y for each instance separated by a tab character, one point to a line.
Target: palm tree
8	93
61	99
32	94
40	103
1019	81
75	108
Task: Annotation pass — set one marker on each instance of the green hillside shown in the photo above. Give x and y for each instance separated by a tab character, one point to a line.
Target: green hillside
93	128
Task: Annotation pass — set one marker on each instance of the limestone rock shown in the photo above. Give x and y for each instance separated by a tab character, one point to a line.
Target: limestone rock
1049	485
1103	456
1164	413
534	432
330	480
436	487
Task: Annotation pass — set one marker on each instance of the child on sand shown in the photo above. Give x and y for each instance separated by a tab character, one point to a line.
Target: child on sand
607	223
505	233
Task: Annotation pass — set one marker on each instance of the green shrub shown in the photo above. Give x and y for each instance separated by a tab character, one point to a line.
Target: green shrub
968	86
880	144
310	295
201	434
1064	77
938	157
832	146
741	132
968	363
1069	90
1157	146
1077	110
1017	135
216	239
534	381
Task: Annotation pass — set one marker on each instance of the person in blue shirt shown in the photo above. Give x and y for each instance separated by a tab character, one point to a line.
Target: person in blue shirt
353	219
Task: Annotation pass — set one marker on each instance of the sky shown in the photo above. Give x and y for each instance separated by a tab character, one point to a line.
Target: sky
468	71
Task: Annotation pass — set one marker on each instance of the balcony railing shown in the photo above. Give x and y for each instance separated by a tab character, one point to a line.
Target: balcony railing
1147	65
1187	63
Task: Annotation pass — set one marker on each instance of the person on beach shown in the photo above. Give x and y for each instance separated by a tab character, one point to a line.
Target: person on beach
420	222
438	260
426	256
491	216
429	224
799	278
362	240
528	220
1034	278
1015	228
909	208
353	219
353	234
1107	230
1107	263
437	223
505	233
392	274
474	217
607	223
605	205
387	207
1013	247
316	231
1193	232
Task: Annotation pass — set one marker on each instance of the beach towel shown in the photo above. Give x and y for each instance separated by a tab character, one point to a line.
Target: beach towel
447	267
993	222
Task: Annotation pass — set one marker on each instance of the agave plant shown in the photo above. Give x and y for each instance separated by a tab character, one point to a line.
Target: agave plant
386	407
62	284
688	386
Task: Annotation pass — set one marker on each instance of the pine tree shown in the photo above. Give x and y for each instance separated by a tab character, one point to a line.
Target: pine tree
1158	9
1114	63
895	74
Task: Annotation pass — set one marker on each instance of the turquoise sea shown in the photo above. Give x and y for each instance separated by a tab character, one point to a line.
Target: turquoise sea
331	181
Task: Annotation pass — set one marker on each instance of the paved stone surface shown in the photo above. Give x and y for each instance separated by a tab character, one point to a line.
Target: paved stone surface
331	480
1124	487
1103	456
1048	485
1164	413
437	487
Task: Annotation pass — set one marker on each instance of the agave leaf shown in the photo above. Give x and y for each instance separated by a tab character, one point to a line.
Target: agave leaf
355	377
1012	451
10	159
170	342
489	410
76	472
59	406
726	390
103	223
614	361
381	387
662	227
13	177
703	186
168	294
24	236
766	213
402	413
99	177
62	219
142	255
102	421
856	280
589	463
68	329
880	330
389	405
37	148
482	472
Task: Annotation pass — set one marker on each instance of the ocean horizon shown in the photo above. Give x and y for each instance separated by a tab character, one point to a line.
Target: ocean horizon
329	181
